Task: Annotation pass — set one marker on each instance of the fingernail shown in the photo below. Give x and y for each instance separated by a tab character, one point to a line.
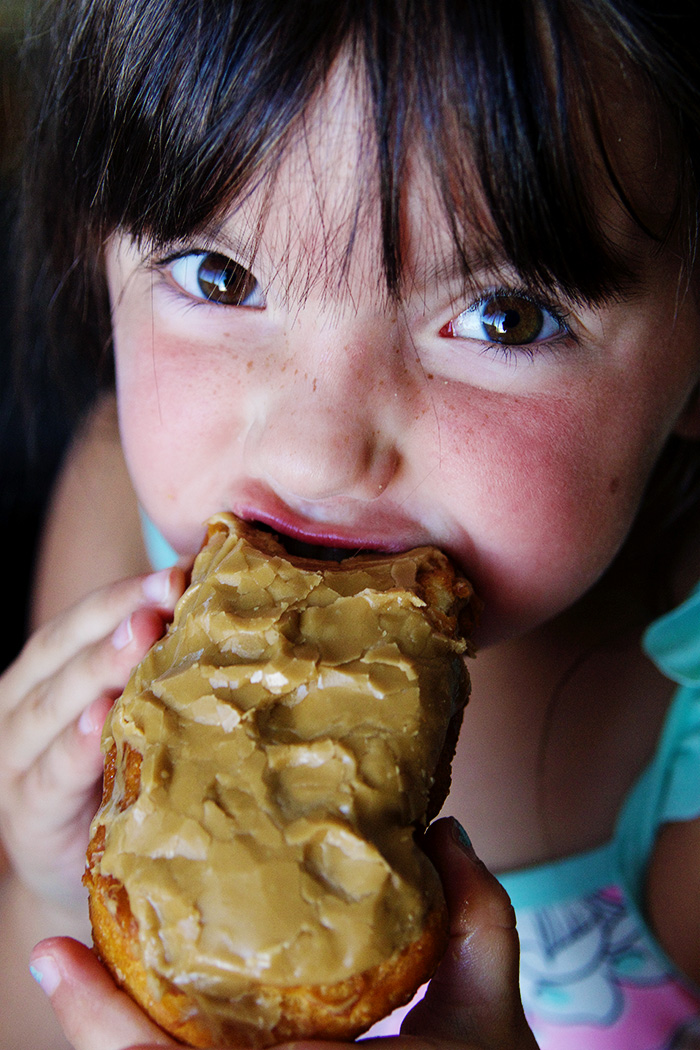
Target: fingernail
156	587
92	719
123	634
45	973
461	837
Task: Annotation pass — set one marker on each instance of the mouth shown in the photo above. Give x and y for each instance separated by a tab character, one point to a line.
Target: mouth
314	551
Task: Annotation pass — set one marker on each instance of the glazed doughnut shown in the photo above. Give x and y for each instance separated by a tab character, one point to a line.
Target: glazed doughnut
253	870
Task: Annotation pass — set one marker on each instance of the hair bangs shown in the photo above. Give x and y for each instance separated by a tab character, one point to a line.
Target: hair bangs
504	101
185	109
183	106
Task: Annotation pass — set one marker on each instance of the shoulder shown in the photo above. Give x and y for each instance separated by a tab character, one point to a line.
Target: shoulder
673	894
673	877
92	533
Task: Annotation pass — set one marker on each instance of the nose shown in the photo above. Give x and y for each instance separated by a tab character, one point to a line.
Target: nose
325	425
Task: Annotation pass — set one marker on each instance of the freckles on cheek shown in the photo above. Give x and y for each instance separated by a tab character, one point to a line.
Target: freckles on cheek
169	383
536	488
181	406
162	370
512	453
156	394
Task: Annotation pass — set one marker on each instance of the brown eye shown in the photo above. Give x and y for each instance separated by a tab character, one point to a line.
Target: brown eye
505	319
216	278
224	281
511	320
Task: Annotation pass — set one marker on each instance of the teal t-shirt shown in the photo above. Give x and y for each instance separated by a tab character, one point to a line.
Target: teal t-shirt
593	976
160	554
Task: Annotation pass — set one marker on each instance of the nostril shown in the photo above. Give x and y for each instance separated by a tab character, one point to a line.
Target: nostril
316	453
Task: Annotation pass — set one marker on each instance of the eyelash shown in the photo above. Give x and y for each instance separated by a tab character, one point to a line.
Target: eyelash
511	353
158	266
161	265
161	262
514	352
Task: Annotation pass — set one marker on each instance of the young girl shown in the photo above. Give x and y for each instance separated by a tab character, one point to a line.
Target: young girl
377	275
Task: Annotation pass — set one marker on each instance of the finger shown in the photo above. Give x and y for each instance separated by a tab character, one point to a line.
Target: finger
55	789
474	995
101	669
93	1012
53	800
93	618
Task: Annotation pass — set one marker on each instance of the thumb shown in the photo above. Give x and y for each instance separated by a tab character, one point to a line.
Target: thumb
93	1012
474	995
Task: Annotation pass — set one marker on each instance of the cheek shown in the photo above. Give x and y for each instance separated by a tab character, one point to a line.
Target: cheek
178	420
545	494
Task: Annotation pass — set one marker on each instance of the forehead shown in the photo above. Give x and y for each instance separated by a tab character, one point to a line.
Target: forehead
315	220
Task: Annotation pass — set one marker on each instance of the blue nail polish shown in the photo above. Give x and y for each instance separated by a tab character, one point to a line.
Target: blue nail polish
462	838
46	974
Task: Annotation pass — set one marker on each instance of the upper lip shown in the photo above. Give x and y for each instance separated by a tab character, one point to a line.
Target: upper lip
386	531
334	536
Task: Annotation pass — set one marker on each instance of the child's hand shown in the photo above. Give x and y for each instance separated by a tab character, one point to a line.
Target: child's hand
472	1003
53	702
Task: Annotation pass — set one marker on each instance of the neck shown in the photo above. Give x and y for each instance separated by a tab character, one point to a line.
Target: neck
560	724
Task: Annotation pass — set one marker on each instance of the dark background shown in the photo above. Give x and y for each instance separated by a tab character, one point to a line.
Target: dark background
33	426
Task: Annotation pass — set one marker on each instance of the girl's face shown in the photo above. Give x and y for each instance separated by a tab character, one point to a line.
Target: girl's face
516	435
